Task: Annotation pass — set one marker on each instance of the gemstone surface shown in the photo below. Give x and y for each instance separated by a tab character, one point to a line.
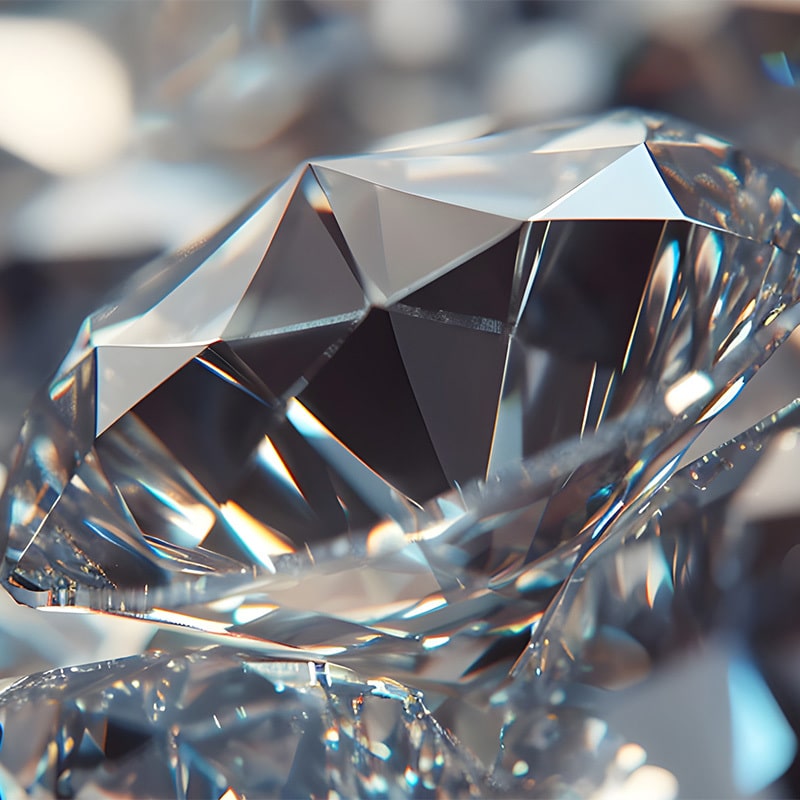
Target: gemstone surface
616	718
212	723
693	608
395	412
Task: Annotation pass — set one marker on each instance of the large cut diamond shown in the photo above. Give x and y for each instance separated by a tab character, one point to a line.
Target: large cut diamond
383	414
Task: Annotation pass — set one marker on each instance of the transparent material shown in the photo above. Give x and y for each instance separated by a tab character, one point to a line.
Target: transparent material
404	412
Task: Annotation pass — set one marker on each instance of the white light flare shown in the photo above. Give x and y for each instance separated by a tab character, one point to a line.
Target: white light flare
687	391
66	97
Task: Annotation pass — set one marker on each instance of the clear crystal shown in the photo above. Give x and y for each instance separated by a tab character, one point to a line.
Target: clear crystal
400	412
692	609
212	723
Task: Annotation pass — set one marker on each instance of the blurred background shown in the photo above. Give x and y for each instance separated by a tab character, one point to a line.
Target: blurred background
131	128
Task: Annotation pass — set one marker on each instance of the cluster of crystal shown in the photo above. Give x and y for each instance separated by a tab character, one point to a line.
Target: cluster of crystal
382	415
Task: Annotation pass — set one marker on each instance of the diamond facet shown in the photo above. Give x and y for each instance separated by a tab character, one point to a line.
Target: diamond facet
385	412
211	723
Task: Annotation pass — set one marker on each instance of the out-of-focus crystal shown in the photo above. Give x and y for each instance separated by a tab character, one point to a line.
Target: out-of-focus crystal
691	607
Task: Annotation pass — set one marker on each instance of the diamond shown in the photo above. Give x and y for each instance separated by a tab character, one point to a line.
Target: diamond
211	723
418	414
214	722
383	414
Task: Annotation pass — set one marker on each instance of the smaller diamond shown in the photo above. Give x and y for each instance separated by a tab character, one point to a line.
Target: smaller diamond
211	723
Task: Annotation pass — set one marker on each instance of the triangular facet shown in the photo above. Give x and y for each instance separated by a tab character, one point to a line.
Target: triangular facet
512	185
355	205
480	287
199	308
282	360
126	374
456	374
613	130
214	438
616	129
305	275
362	395
485	142
401	240
424	238
629	188
156	280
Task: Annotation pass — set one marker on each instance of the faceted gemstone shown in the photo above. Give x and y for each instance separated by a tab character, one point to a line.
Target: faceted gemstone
384	414
211	723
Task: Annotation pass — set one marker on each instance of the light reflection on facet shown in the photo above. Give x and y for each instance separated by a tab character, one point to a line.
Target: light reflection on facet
233	726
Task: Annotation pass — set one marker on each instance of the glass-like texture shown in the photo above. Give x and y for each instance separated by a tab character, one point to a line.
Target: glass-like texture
418	414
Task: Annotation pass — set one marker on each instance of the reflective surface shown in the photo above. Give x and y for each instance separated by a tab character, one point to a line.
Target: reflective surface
419	414
670	621
211	723
296	397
